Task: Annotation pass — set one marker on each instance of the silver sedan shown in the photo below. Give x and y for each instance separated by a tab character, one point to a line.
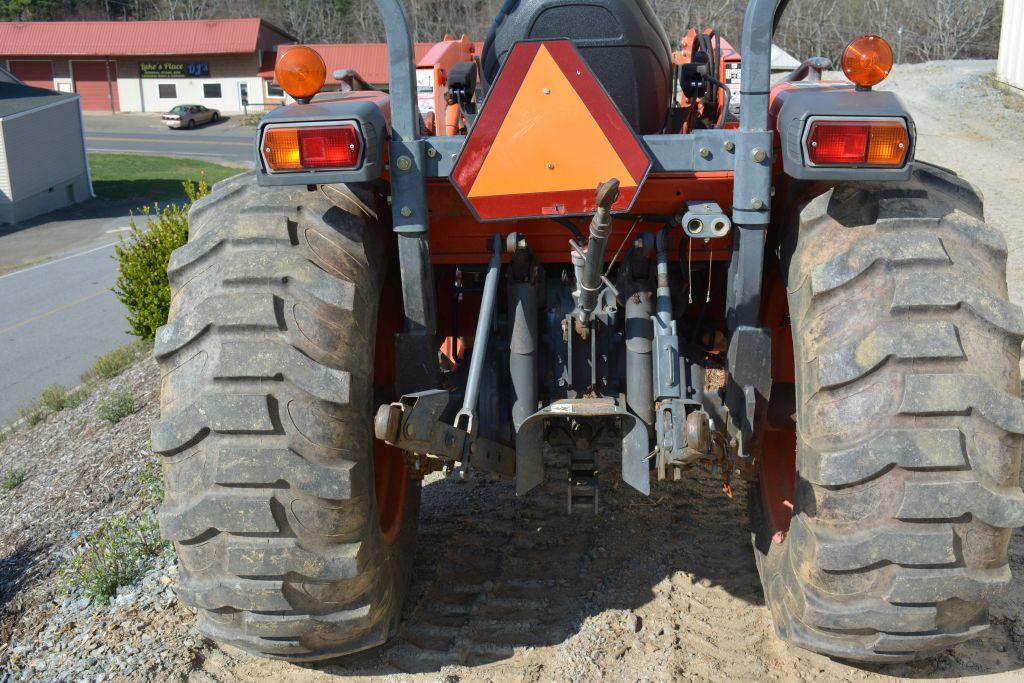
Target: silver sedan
189	116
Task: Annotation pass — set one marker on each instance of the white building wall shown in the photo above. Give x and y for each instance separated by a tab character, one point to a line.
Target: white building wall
143	94
44	151
1010	69
5	174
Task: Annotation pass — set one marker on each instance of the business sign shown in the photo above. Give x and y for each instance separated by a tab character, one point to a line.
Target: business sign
174	69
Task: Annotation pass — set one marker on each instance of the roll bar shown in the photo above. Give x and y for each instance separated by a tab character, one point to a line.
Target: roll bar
751	162
759	22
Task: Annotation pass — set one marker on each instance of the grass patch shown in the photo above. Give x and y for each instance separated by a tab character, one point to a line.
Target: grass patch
149	178
120	405
13	478
54	399
33	414
110	365
151	482
117	554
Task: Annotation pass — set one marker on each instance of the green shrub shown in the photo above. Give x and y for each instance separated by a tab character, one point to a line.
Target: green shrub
33	414
119	406
117	554
142	261
75	398
54	399
7	431
110	365
13	478
151	482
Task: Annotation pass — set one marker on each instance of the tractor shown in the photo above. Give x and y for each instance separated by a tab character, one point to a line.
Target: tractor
582	240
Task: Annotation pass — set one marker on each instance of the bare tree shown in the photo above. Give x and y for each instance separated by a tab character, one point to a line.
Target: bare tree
923	29
184	9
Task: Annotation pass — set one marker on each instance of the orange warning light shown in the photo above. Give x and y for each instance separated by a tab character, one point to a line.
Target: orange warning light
300	72
867	60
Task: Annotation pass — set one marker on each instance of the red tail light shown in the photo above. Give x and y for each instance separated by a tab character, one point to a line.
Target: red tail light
338	147
882	142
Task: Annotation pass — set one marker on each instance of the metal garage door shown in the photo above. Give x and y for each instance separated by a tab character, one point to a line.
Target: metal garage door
91	83
38	74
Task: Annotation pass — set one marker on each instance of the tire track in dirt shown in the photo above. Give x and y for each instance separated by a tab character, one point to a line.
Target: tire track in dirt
512	583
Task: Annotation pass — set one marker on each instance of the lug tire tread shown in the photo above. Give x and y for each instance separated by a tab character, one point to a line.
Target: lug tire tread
909	422
266	389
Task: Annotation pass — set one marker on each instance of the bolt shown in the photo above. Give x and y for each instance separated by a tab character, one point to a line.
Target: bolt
547	91
404	163
431	152
729	146
406	211
705	152
756	204
551	167
454	156
758	155
267	150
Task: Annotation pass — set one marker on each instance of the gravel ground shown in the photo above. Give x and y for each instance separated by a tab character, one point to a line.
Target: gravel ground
505	589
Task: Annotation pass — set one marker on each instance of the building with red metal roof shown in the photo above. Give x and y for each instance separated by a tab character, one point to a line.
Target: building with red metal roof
147	65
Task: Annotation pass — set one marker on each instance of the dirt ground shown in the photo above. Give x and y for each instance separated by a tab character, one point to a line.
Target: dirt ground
653	589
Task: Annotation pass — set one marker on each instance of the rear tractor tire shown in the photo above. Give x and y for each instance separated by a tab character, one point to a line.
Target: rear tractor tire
293	530
892	536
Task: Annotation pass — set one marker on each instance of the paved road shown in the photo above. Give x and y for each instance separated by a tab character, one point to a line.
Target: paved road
55	319
227	141
57	310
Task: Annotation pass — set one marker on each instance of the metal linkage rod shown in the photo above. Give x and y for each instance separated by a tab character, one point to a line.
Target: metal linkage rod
590	282
465	419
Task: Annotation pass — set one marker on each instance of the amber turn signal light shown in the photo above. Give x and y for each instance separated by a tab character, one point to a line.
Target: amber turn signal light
300	72
867	60
857	143
337	147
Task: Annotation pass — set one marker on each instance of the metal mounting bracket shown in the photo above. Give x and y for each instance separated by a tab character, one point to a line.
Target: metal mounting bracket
414	424
530	441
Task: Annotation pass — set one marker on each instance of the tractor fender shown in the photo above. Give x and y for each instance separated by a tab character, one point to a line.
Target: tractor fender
369	110
794	105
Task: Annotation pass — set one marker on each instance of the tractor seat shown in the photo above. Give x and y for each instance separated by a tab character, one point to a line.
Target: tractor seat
621	41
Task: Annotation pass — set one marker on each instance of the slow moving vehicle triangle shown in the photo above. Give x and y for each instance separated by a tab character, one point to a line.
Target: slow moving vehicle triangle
547	136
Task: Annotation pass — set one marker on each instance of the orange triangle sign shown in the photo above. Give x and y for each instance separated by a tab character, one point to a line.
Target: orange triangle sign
546	137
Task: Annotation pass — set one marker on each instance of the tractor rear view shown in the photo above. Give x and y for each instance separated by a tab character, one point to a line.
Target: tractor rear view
587	244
